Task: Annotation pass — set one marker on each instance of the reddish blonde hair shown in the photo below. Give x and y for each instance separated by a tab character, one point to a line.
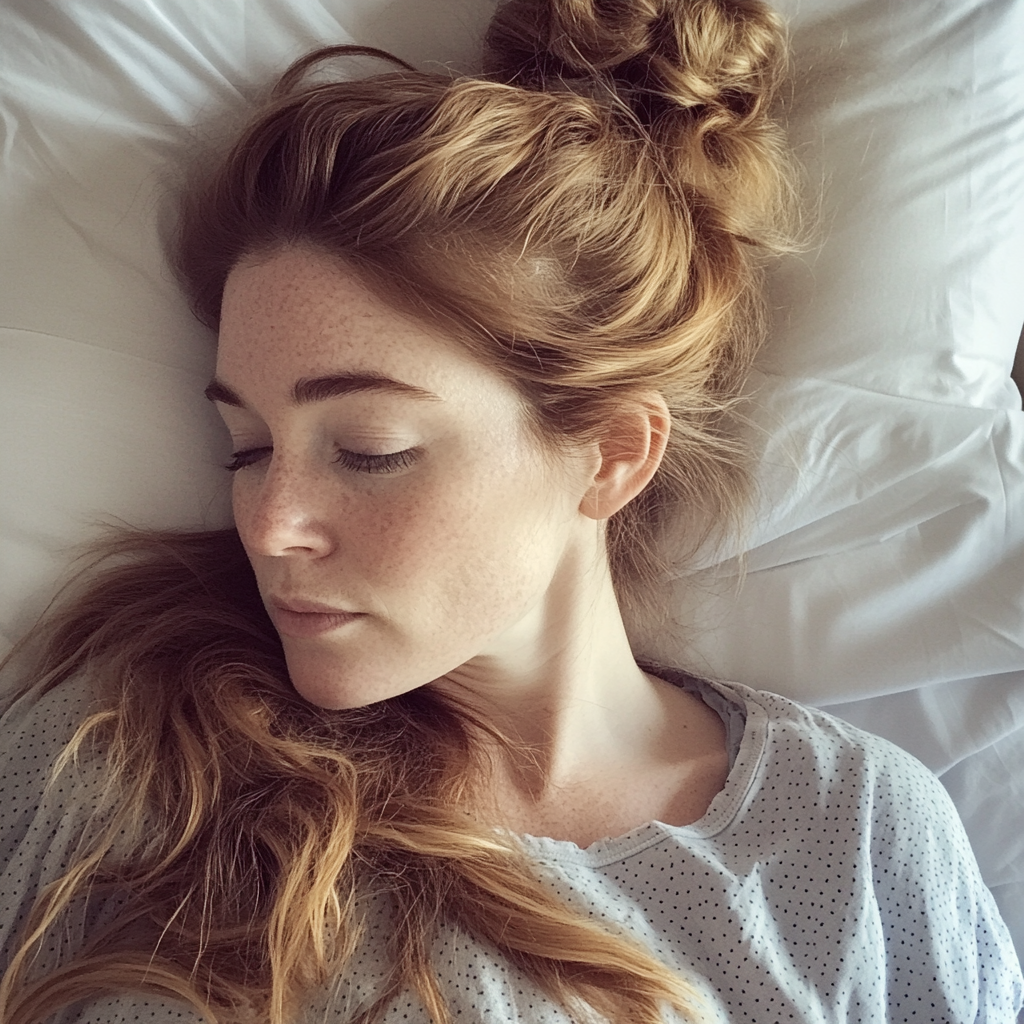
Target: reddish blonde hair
589	218
592	229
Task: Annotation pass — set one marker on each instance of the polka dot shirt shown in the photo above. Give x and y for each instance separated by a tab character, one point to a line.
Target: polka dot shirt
829	881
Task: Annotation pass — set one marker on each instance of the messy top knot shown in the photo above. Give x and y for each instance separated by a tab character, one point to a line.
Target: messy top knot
683	53
697	76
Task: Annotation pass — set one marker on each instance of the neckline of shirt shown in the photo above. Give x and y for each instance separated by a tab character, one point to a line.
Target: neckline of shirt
724	808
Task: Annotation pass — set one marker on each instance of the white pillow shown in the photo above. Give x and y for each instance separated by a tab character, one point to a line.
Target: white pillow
889	547
888	557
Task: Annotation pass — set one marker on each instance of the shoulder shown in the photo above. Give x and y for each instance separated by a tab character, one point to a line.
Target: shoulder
811	778
40	721
847	826
46	815
34	731
798	741
813	747
795	766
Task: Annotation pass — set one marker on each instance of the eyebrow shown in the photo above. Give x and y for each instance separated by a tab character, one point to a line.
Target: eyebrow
332	385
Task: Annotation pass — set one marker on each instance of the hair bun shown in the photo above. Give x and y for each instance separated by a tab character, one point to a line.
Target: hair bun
718	59
695	77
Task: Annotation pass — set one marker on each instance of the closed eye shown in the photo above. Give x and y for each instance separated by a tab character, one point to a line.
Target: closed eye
246	457
391	462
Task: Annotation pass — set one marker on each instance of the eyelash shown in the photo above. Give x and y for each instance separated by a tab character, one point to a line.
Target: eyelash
356	461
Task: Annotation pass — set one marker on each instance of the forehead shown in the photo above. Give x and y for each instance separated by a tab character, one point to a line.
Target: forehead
298	313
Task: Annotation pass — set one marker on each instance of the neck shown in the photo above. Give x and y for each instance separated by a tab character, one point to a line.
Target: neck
565	688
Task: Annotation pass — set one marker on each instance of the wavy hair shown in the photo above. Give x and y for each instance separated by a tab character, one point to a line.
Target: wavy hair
590	218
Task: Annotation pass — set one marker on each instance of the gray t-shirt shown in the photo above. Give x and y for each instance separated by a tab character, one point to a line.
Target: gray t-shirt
830	880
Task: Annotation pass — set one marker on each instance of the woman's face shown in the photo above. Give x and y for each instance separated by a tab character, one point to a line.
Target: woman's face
400	517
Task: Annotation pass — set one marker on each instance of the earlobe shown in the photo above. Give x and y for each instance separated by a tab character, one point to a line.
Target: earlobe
631	453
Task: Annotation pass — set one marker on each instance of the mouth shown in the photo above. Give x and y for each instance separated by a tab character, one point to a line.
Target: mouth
303	619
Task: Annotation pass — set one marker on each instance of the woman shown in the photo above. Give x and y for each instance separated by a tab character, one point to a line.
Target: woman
384	753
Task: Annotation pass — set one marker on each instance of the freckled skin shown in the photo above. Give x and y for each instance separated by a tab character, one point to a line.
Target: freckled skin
480	566
452	559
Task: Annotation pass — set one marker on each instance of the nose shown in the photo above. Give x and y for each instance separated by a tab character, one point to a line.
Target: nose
282	511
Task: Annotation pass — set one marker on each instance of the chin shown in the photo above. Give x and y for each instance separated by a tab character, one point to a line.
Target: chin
330	683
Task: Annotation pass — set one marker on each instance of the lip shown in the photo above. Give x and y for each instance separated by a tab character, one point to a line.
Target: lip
304	619
304	607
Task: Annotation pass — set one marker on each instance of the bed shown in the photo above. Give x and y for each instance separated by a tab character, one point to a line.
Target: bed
884	575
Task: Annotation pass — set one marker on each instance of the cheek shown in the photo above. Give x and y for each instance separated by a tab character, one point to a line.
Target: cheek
478	547
243	504
412	540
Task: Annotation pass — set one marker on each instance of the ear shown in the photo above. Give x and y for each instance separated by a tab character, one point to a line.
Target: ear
631	452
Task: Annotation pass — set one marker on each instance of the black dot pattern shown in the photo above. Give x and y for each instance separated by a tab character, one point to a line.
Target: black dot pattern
829	881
